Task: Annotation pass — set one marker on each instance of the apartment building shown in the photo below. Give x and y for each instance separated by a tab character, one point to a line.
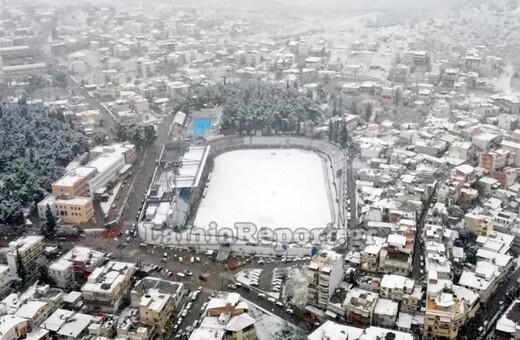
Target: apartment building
5	277
29	249
108	285
492	161
483	280
370	254
76	264
411	302
396	255
172	288
479	225
359	307
323	276
445	313
156	308
75	210
507	103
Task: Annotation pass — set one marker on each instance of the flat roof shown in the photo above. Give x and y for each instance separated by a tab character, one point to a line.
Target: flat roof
193	163
105	161
74	201
23	67
67	323
29	309
74	175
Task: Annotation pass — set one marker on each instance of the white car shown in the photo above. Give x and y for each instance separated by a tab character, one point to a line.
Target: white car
273	300
261	295
261	262
184	313
289	311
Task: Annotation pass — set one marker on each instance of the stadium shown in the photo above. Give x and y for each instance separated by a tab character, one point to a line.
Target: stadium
250	195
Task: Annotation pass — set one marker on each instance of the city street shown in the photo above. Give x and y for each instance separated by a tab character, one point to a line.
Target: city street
486	312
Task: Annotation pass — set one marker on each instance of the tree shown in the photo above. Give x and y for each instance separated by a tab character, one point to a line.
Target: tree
100	138
20	268
59	78
44	277
149	134
343	136
35	147
50	223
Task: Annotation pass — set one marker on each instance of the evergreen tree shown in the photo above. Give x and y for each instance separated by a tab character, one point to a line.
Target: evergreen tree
20	268
343	135
50	223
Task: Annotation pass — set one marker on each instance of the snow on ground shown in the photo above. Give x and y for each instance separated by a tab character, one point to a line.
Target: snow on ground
297	286
282	188
269	326
246	276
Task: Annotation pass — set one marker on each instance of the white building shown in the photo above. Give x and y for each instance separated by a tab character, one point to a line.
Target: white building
395	286
483	280
108	285
13	327
79	262
333	331
67	325
107	166
385	313
35	311
323	276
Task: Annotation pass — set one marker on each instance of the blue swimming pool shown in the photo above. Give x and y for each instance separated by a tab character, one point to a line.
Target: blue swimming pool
200	126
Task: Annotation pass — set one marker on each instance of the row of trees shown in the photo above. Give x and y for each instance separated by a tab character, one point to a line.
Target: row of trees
140	135
35	147
268	108
250	107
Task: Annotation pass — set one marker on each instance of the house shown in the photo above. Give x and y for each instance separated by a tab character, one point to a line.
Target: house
385	313
67	325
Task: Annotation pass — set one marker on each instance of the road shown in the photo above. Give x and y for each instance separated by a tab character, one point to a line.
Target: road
418	244
351	193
